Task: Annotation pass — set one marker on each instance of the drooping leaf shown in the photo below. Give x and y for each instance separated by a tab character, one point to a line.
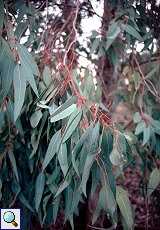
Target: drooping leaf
107	200
87	168
55	208
7	75
13	162
72	124
65	113
137	118
130	30
19	83
68	103
2	15
130	137
52	148
124	205
62	158
140	127
146	135
95	45
27	57
39	187
47	76
35	118
115	157
29	74
154	181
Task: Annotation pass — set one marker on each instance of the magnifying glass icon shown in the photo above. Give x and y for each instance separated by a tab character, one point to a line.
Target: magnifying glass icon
9	217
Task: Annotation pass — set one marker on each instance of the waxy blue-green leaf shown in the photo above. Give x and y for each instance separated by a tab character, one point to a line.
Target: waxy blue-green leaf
27	57
39	187
7	75
72	124
154	181
52	148
112	33
19	83
95	45
146	135
65	113
87	168
115	157
23	199
107	200
137	118
140	127
56	208
124	205
29	74
3	57
130	137
78	147
62	158
68	103
130	30
2	15
62	187
35	118
13	162
47	76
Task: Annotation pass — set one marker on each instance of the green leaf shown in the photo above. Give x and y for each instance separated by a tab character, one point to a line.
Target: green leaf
111	37
72	124
115	157
27	57
87	168
13	162
68	103
65	113
130	137
146	135
62	187
29	74
62	158
52	148
2	15
56	208
130	30
35	118
154	181
39	187
7	75
96	213
94	34
0	189
95	45
137	118
107	200
19	83
124	205
24	201
140	127
47	76
78	148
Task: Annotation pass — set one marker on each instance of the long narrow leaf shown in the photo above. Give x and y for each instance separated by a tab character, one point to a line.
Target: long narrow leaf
19	82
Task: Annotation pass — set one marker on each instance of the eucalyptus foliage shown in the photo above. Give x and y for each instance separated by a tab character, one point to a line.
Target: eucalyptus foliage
56	134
